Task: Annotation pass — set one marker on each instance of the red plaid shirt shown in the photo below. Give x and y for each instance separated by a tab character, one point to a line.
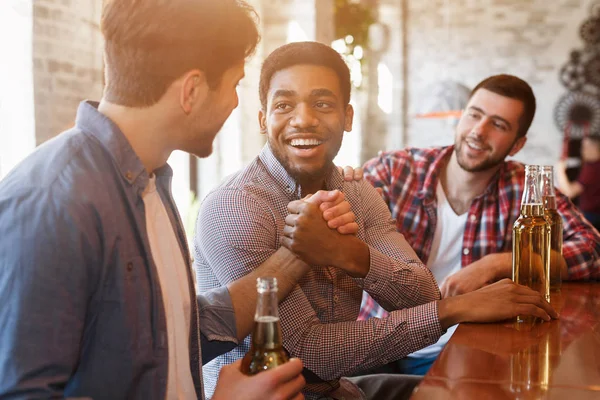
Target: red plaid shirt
409	178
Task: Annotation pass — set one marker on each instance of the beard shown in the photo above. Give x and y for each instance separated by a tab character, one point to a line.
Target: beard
298	173
484	165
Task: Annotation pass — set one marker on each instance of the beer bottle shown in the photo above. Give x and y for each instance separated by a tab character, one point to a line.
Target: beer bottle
556	228
266	348
531	236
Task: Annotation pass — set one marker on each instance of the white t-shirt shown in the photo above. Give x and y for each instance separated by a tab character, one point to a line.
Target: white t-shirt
445	257
174	283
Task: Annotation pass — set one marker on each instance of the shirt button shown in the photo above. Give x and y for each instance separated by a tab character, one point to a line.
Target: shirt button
336	298
129	266
465	251
128	175
473	217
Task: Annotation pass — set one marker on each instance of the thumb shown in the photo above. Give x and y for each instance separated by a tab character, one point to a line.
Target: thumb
324	195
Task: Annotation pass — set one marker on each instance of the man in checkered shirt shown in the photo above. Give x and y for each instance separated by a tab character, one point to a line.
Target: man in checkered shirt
456	205
305	93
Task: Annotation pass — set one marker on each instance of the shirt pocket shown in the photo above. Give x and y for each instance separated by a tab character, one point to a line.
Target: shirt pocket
125	317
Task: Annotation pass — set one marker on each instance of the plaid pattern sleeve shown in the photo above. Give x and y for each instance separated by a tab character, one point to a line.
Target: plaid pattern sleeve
239	228
581	242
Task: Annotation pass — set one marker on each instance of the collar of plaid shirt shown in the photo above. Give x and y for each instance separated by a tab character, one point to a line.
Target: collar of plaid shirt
427	191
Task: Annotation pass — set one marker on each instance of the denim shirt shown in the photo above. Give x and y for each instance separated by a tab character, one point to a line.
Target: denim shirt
81	309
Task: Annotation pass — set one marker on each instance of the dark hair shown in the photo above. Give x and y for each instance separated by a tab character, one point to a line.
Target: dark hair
515	88
151	43
313	53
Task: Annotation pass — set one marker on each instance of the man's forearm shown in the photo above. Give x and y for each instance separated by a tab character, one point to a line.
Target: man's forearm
284	266
353	256
373	343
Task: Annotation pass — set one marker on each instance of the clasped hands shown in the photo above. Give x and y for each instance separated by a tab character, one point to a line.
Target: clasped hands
319	228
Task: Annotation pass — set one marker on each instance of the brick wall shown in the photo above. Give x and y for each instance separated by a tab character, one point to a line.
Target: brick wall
67	57
461	40
468	40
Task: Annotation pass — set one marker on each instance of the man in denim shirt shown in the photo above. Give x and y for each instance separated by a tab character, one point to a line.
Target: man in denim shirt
97	294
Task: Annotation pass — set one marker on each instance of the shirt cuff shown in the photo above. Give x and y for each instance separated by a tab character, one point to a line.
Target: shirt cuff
422	324
217	316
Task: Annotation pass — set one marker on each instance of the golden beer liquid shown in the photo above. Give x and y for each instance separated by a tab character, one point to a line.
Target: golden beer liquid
531	250
556	239
266	350
530	371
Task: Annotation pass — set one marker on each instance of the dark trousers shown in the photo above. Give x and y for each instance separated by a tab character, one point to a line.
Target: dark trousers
387	386
377	387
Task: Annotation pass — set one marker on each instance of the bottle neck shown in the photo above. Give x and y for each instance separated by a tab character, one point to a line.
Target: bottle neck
266	305
532	210
549	202
531	193
547	187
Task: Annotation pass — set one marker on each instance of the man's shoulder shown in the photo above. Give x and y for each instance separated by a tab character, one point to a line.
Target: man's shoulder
512	172
65	170
66	154
252	183
410	156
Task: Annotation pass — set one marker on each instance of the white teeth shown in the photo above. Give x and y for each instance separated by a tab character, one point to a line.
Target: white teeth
305	142
474	146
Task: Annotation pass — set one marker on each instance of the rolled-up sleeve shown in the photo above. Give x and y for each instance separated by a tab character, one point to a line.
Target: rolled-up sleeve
217	323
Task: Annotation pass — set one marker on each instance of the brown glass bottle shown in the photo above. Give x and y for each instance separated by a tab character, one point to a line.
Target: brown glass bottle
556	227
266	347
531	236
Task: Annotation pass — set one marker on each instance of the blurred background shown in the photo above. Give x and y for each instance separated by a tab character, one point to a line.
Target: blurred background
413	64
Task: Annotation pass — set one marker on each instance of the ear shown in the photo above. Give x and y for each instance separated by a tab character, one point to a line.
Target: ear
518	145
262	121
349	117
194	89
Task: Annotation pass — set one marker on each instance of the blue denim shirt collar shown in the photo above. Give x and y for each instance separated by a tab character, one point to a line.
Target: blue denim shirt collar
93	122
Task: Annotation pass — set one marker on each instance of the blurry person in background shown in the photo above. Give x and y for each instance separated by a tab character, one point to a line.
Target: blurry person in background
587	185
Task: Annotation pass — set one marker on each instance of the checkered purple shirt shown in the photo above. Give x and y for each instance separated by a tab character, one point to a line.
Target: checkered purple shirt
240	226
409	178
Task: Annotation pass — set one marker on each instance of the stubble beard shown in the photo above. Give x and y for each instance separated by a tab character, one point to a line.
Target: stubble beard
485	165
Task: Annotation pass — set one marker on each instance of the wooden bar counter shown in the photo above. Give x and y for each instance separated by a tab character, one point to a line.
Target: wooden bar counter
549	360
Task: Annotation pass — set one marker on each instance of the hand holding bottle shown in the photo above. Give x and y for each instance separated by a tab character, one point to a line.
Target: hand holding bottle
284	382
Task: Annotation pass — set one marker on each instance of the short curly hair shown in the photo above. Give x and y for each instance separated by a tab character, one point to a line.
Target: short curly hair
298	53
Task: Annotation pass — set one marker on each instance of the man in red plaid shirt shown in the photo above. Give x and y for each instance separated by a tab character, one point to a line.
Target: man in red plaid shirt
456	205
